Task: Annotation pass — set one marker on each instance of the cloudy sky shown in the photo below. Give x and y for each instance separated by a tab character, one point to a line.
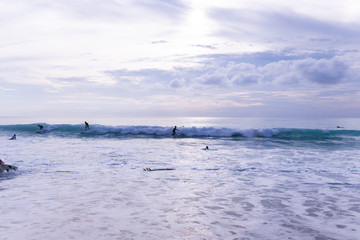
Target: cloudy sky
146	58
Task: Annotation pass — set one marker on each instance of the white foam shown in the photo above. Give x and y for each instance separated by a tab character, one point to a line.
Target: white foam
88	188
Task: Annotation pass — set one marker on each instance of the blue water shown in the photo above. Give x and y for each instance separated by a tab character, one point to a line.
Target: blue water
259	179
134	131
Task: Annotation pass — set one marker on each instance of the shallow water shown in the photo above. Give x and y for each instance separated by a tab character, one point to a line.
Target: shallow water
94	187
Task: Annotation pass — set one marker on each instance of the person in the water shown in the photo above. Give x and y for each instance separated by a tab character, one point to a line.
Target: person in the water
174	131
6	167
40	126
13	137
86	126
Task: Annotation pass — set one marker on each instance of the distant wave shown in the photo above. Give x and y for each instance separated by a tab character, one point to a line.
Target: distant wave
68	130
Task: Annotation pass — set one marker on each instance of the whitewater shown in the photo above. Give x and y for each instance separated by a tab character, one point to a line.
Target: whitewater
259	179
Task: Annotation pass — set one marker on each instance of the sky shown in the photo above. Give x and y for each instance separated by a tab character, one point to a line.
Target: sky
195	58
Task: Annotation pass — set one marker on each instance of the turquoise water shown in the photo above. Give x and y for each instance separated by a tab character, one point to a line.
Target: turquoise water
260	179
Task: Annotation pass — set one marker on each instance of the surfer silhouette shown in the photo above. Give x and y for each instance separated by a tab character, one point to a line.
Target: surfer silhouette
40	126
13	137
86	126
174	131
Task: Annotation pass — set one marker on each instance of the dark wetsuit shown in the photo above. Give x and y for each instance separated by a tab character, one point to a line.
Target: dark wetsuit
87	126
174	131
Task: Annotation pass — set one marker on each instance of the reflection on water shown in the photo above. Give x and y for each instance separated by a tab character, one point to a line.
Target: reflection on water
95	188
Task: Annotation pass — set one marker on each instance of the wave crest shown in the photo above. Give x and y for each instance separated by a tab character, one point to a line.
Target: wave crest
68	130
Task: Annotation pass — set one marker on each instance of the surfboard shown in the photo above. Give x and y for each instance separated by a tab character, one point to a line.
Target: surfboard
6	167
41	131
158	169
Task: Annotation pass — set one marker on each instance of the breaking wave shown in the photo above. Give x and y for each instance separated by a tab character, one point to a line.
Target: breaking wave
68	130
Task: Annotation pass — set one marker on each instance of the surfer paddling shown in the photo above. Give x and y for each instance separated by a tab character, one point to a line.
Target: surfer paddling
6	167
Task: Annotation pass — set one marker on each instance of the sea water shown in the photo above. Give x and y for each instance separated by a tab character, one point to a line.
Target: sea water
259	179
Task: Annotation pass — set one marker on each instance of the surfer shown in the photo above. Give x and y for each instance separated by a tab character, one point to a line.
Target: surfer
339	127
86	126
40	126
13	137
207	148
174	131
6	167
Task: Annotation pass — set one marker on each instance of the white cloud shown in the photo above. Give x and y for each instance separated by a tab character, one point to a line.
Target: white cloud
285	28
321	71
203	55
7	89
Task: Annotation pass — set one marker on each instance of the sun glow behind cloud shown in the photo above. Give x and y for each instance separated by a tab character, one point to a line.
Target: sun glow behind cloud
142	57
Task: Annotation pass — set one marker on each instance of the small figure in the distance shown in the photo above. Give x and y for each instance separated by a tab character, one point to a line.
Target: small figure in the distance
157	169
86	126
339	127
207	148
13	137
40	126
174	131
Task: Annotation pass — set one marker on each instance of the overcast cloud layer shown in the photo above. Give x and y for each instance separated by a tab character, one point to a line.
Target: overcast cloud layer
180	58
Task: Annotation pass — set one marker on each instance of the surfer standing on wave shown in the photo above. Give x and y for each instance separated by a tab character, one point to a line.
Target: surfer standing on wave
86	126
40	126
174	131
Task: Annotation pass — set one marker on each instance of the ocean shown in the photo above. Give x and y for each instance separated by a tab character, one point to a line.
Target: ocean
258	179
